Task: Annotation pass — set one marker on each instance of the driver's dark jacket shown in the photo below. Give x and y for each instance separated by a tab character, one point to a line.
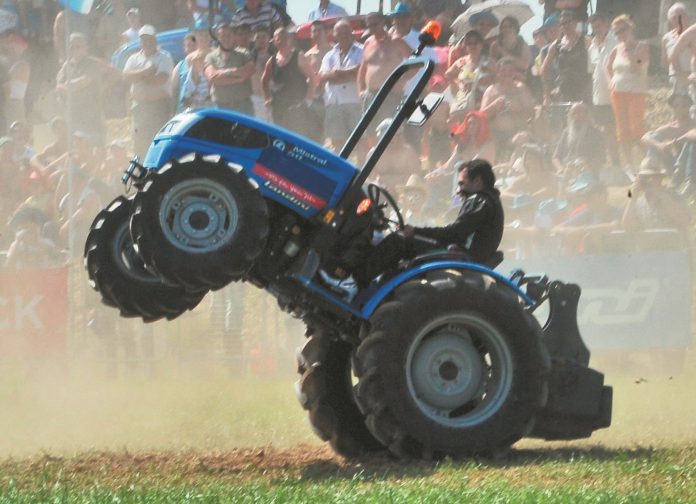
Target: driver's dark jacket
478	228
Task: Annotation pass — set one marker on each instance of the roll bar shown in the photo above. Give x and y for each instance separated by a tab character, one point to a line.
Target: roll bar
403	112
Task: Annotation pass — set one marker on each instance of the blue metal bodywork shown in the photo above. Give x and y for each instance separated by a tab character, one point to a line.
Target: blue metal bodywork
288	168
363	309
376	299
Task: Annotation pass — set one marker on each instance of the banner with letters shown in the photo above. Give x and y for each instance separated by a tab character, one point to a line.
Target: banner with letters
630	301
33	311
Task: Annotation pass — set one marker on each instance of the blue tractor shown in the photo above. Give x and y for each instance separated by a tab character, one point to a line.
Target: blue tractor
439	357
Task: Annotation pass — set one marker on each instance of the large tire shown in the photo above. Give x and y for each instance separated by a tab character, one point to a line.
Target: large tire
325	391
119	275
452	365
199	223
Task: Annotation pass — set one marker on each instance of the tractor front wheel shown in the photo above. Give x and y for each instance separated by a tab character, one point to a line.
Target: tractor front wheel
325	390
199	223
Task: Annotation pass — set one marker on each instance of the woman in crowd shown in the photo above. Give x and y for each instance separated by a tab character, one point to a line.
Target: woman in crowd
627	69
508	103
509	44
468	74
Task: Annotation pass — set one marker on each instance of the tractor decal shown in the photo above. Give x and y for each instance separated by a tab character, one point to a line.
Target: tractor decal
288	190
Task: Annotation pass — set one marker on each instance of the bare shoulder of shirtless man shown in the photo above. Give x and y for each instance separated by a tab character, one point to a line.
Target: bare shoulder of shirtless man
381	57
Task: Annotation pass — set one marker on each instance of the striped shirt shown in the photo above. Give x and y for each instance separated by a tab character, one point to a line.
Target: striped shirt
267	15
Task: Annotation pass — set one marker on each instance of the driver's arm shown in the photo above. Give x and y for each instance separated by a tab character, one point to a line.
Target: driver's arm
476	212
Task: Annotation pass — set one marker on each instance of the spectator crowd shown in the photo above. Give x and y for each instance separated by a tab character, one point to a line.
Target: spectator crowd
563	119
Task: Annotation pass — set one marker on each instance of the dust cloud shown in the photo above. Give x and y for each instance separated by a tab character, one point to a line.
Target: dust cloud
185	385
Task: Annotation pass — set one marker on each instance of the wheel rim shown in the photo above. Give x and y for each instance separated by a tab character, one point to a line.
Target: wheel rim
199	215
459	370
127	259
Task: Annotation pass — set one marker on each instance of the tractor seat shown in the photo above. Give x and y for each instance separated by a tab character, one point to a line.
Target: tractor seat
455	253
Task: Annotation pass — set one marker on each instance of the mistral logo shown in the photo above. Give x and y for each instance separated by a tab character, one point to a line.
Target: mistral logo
279	144
621	306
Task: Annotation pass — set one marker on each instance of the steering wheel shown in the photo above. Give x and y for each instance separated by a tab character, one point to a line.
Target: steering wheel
384	202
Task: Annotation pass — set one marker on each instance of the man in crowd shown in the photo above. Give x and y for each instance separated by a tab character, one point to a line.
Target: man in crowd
196	88
242	36
685	48
182	89
320	45
134	24
79	84
229	70
148	72
287	83
315	56
579	140
338	73
381	56
665	142
260	54
257	12
79	23
570	54
601	45
326	9
678	74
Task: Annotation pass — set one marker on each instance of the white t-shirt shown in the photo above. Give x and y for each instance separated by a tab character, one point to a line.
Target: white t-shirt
343	92
597	57
139	61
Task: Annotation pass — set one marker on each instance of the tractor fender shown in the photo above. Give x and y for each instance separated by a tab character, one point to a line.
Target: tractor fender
380	295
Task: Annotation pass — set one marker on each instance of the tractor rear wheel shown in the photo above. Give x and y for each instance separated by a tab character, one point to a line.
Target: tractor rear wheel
199	223
325	390
452	365
117	272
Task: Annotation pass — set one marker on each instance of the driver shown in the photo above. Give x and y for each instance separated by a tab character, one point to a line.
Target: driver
477	231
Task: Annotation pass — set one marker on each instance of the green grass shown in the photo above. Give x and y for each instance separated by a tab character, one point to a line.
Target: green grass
553	476
196	437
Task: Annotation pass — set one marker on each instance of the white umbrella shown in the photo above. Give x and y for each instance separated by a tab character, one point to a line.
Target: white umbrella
518	9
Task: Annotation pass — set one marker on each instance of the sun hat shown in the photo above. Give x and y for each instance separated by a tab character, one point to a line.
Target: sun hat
401	9
147	30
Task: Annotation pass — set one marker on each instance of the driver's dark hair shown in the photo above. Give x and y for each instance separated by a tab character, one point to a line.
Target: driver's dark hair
479	168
